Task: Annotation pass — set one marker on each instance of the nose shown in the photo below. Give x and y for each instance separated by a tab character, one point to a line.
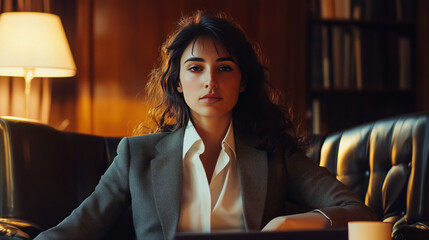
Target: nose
210	85
210	82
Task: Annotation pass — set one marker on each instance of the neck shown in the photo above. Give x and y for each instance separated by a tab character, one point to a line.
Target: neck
212	130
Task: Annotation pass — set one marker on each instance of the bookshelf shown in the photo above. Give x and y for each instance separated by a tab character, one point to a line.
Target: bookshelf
361	61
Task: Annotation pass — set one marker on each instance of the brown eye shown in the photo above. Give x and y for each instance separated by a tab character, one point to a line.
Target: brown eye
225	68
195	69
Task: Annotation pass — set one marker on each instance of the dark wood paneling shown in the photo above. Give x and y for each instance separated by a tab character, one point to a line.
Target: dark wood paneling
84	64
283	39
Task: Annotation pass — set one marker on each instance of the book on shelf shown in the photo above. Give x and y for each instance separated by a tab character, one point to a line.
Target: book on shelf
397	11
316	116
357	60
356	9
334	9
334	58
342	9
327	9
347	60
320	60
326	60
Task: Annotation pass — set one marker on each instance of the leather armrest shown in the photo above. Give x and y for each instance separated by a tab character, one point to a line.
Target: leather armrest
18	229
416	231
8	231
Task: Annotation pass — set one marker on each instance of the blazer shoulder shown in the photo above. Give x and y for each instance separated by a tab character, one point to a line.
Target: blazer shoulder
147	139
156	140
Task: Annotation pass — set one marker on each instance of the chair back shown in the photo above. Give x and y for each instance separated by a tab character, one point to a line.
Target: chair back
385	163
46	173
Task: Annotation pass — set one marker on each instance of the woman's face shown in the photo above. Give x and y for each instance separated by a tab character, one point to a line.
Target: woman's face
210	79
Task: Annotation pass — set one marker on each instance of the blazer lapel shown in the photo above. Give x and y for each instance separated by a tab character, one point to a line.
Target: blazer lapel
167	173
253	174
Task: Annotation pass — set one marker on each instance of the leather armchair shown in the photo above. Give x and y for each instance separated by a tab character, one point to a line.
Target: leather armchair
46	173
386	164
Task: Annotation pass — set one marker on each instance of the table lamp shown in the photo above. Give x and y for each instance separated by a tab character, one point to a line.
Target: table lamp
34	44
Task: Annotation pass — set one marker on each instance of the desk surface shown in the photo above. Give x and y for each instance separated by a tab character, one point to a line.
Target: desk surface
325	234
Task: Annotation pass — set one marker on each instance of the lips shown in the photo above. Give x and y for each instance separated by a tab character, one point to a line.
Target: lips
210	98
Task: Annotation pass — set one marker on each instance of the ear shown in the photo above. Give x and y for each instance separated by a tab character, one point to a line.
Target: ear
179	87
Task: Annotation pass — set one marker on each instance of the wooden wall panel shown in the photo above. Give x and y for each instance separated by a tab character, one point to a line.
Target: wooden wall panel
283	39
64	90
84	64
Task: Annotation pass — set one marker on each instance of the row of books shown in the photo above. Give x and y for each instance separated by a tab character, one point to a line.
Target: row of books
400	10
347	57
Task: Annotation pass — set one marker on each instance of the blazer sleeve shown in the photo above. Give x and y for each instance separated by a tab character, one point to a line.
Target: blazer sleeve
316	187
97	213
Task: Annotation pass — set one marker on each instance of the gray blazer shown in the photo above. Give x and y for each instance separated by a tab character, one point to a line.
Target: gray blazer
147	175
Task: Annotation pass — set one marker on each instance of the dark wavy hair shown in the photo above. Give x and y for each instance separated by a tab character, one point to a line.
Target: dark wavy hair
257	112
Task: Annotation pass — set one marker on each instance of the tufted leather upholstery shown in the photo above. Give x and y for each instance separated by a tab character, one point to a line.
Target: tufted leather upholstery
46	173
386	164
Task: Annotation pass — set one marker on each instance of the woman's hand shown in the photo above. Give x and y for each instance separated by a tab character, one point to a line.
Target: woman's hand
303	221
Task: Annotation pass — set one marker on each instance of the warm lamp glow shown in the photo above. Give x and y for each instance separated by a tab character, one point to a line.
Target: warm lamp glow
30	40
34	44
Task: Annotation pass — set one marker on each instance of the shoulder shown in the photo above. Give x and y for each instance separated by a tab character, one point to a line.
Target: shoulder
149	142
148	138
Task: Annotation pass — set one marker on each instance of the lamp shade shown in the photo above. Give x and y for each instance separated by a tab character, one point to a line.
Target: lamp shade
33	41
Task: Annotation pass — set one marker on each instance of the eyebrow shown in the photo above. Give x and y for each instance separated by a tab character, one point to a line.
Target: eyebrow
197	59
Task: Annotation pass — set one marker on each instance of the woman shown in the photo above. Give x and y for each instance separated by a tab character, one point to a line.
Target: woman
226	156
